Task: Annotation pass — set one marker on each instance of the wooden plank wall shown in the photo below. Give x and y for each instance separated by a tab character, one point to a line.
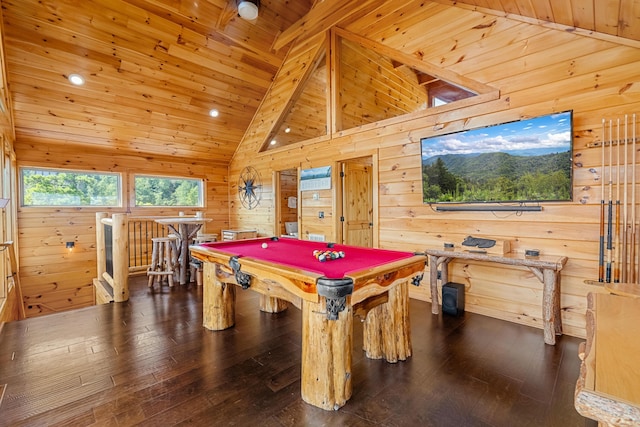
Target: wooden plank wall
54	279
538	70
374	88
312	202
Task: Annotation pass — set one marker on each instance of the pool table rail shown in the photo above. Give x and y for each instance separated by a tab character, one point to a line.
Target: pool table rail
371	281
300	282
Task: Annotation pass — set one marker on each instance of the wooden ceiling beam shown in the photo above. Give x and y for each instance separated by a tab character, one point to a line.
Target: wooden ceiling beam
426	79
322	16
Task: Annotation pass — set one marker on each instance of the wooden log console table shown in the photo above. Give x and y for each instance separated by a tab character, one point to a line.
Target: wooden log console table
545	268
608	388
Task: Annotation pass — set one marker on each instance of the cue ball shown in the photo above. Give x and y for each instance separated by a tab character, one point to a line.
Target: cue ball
265	246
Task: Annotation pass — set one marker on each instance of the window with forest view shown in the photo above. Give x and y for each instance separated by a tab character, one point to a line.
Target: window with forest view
49	187
168	191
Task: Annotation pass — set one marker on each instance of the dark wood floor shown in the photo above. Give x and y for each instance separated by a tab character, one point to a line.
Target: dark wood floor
150	362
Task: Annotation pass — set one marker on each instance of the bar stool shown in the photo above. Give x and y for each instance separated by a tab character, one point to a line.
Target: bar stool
164	259
195	265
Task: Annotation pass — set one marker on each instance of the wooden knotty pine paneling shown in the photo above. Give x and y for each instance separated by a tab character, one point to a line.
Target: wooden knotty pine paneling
226	61
394	91
54	279
609	17
537	73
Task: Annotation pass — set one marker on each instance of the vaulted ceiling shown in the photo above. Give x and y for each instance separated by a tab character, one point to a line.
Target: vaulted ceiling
155	68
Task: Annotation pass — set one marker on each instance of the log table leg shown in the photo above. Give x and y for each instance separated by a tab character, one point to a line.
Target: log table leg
557	303
218	299
433	283
272	304
326	356
387	332
434	261
551	306
186	233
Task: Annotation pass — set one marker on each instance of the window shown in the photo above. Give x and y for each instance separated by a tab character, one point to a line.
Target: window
438	102
167	191
58	187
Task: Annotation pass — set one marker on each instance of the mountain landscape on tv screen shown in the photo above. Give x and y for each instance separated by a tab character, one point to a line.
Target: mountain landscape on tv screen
527	160
499	177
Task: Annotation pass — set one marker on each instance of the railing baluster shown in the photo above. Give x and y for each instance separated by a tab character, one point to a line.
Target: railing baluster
142	242
140	231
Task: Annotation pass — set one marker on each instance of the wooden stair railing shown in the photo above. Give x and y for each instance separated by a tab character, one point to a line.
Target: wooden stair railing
13	264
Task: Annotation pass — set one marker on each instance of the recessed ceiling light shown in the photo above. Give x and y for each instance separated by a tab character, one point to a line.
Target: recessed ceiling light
287	130
273	142
76	79
214	113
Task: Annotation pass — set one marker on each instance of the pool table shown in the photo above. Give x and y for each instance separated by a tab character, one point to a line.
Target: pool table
367	282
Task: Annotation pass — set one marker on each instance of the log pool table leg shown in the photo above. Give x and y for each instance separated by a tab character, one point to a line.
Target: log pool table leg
272	304
326	356
387	331
218	300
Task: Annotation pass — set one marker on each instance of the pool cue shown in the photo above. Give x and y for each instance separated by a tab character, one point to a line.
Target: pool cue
610	211
625	224
634	276
625	218
616	247
601	253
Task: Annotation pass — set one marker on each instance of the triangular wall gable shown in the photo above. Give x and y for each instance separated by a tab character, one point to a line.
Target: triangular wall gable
297	66
298	102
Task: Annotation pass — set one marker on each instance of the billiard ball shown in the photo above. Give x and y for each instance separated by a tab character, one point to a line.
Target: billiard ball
265	246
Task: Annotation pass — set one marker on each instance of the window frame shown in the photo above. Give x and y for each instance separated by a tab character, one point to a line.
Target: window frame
8	231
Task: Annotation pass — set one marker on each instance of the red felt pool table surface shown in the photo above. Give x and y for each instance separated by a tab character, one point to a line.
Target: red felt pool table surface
299	254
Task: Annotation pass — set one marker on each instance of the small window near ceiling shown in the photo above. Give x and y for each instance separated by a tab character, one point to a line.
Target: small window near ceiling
60	187
168	191
438	102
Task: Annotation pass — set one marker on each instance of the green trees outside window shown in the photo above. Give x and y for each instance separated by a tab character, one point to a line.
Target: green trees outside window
46	187
57	187
164	191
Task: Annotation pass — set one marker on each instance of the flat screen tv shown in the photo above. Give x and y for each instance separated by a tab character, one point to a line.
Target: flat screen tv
516	162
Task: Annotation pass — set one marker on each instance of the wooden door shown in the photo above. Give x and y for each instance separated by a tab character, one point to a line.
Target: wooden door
357	203
286	197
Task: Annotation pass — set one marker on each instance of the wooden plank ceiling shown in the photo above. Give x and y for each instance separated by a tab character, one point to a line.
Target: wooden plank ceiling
154	68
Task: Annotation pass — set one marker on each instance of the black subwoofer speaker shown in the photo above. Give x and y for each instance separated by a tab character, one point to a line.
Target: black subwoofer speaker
453	298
